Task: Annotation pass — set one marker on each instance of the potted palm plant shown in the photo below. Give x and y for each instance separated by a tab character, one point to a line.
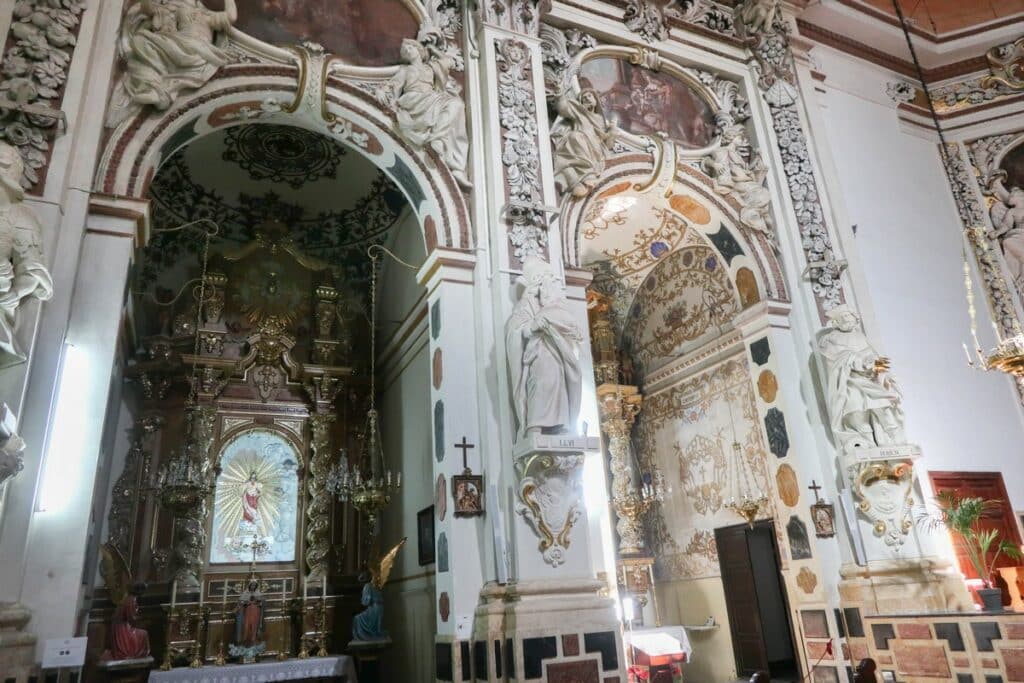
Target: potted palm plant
962	516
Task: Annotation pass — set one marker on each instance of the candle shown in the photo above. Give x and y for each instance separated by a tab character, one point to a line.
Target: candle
305	590
282	592
399	480
224	599
202	585
174	592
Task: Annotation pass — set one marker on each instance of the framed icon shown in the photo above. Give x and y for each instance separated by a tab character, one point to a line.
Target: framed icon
468	493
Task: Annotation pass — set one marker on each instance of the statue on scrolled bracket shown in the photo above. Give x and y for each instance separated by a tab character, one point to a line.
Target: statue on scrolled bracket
863	399
167	46
582	137
736	169
22	273
429	106
542	339
758	16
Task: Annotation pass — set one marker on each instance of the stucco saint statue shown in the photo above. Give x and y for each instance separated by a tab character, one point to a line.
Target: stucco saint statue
736	169
582	137
1008	222
758	16
863	399
167	46
542	340
429	107
22	273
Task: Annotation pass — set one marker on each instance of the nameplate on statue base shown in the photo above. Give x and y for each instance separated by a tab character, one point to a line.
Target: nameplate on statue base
867	454
557	443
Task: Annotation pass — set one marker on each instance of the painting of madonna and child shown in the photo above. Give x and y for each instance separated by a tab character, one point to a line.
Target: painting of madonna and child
645	102
256	500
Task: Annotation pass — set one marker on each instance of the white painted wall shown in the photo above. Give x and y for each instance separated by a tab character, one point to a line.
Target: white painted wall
908	248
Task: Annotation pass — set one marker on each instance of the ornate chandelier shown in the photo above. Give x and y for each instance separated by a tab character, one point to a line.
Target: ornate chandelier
743	501
1008	354
368	491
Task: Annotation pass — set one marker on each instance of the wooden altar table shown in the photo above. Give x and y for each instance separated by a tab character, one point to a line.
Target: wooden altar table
338	666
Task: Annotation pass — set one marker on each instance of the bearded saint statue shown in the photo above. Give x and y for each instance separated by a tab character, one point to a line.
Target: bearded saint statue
22	273
541	342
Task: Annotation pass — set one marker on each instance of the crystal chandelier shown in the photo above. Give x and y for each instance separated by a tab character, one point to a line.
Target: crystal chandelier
368	491
1008	354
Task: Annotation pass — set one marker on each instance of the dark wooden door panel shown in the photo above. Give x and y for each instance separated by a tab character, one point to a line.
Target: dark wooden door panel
741	603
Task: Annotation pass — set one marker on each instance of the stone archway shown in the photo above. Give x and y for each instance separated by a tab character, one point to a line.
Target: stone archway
304	95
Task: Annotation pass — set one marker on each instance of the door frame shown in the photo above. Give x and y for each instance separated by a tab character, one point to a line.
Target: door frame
773	531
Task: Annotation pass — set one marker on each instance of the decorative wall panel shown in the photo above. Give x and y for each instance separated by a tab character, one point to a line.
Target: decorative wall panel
688	431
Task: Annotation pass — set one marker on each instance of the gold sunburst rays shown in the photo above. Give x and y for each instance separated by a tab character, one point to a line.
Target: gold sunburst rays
270	471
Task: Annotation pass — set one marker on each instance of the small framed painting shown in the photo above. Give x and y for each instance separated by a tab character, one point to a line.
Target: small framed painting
468	492
824	517
425	535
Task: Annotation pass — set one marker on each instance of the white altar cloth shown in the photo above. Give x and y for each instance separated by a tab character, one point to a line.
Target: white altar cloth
340	666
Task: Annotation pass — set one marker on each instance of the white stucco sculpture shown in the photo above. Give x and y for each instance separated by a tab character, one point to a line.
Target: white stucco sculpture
582	137
758	16
429	107
167	46
542	340
738	171
863	399
1007	215
22	272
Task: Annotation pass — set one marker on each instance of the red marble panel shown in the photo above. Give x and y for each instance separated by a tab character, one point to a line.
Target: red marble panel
885	659
574	672
961	662
817	651
1014	631
926	661
912	631
858	651
570	645
989	664
1013	659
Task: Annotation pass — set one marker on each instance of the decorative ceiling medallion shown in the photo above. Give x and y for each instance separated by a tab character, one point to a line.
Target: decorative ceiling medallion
282	154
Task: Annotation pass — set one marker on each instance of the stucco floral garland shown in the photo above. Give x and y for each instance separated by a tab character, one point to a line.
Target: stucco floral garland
35	66
517	110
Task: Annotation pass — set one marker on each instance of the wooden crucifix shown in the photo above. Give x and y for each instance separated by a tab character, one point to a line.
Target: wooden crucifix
465	446
815	487
467	488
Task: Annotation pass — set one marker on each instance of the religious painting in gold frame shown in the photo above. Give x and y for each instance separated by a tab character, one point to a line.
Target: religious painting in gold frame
468	494
823	515
257	497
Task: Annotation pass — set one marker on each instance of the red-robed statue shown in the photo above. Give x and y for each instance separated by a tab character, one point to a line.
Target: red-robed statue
127	640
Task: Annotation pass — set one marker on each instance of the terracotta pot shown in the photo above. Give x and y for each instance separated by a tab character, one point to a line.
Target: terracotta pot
991	599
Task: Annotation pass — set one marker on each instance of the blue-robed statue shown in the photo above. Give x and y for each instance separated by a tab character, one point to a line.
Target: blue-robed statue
368	625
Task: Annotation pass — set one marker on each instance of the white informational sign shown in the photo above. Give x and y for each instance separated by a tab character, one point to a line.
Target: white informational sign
64	653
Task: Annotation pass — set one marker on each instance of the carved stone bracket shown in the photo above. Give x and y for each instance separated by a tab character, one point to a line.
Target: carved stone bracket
550	498
518	16
882	481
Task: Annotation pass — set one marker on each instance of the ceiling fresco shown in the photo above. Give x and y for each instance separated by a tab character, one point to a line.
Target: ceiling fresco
332	202
362	32
645	102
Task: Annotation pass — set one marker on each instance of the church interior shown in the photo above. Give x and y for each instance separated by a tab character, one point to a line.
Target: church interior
534	341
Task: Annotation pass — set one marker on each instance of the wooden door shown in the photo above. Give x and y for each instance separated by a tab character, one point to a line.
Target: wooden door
987	485
741	602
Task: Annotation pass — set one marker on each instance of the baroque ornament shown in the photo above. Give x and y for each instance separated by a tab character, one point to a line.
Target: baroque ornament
550	498
166	48
1007	209
582	137
1007	65
737	171
319	506
517	111
646	18
12	451
23	274
971	92
282	154
518	16
35	69
761	23
711	15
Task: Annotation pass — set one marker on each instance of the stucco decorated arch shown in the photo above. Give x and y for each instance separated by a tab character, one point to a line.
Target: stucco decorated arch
680	190
307	94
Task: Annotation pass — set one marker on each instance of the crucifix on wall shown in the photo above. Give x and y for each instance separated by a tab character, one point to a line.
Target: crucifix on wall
823	514
467	488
